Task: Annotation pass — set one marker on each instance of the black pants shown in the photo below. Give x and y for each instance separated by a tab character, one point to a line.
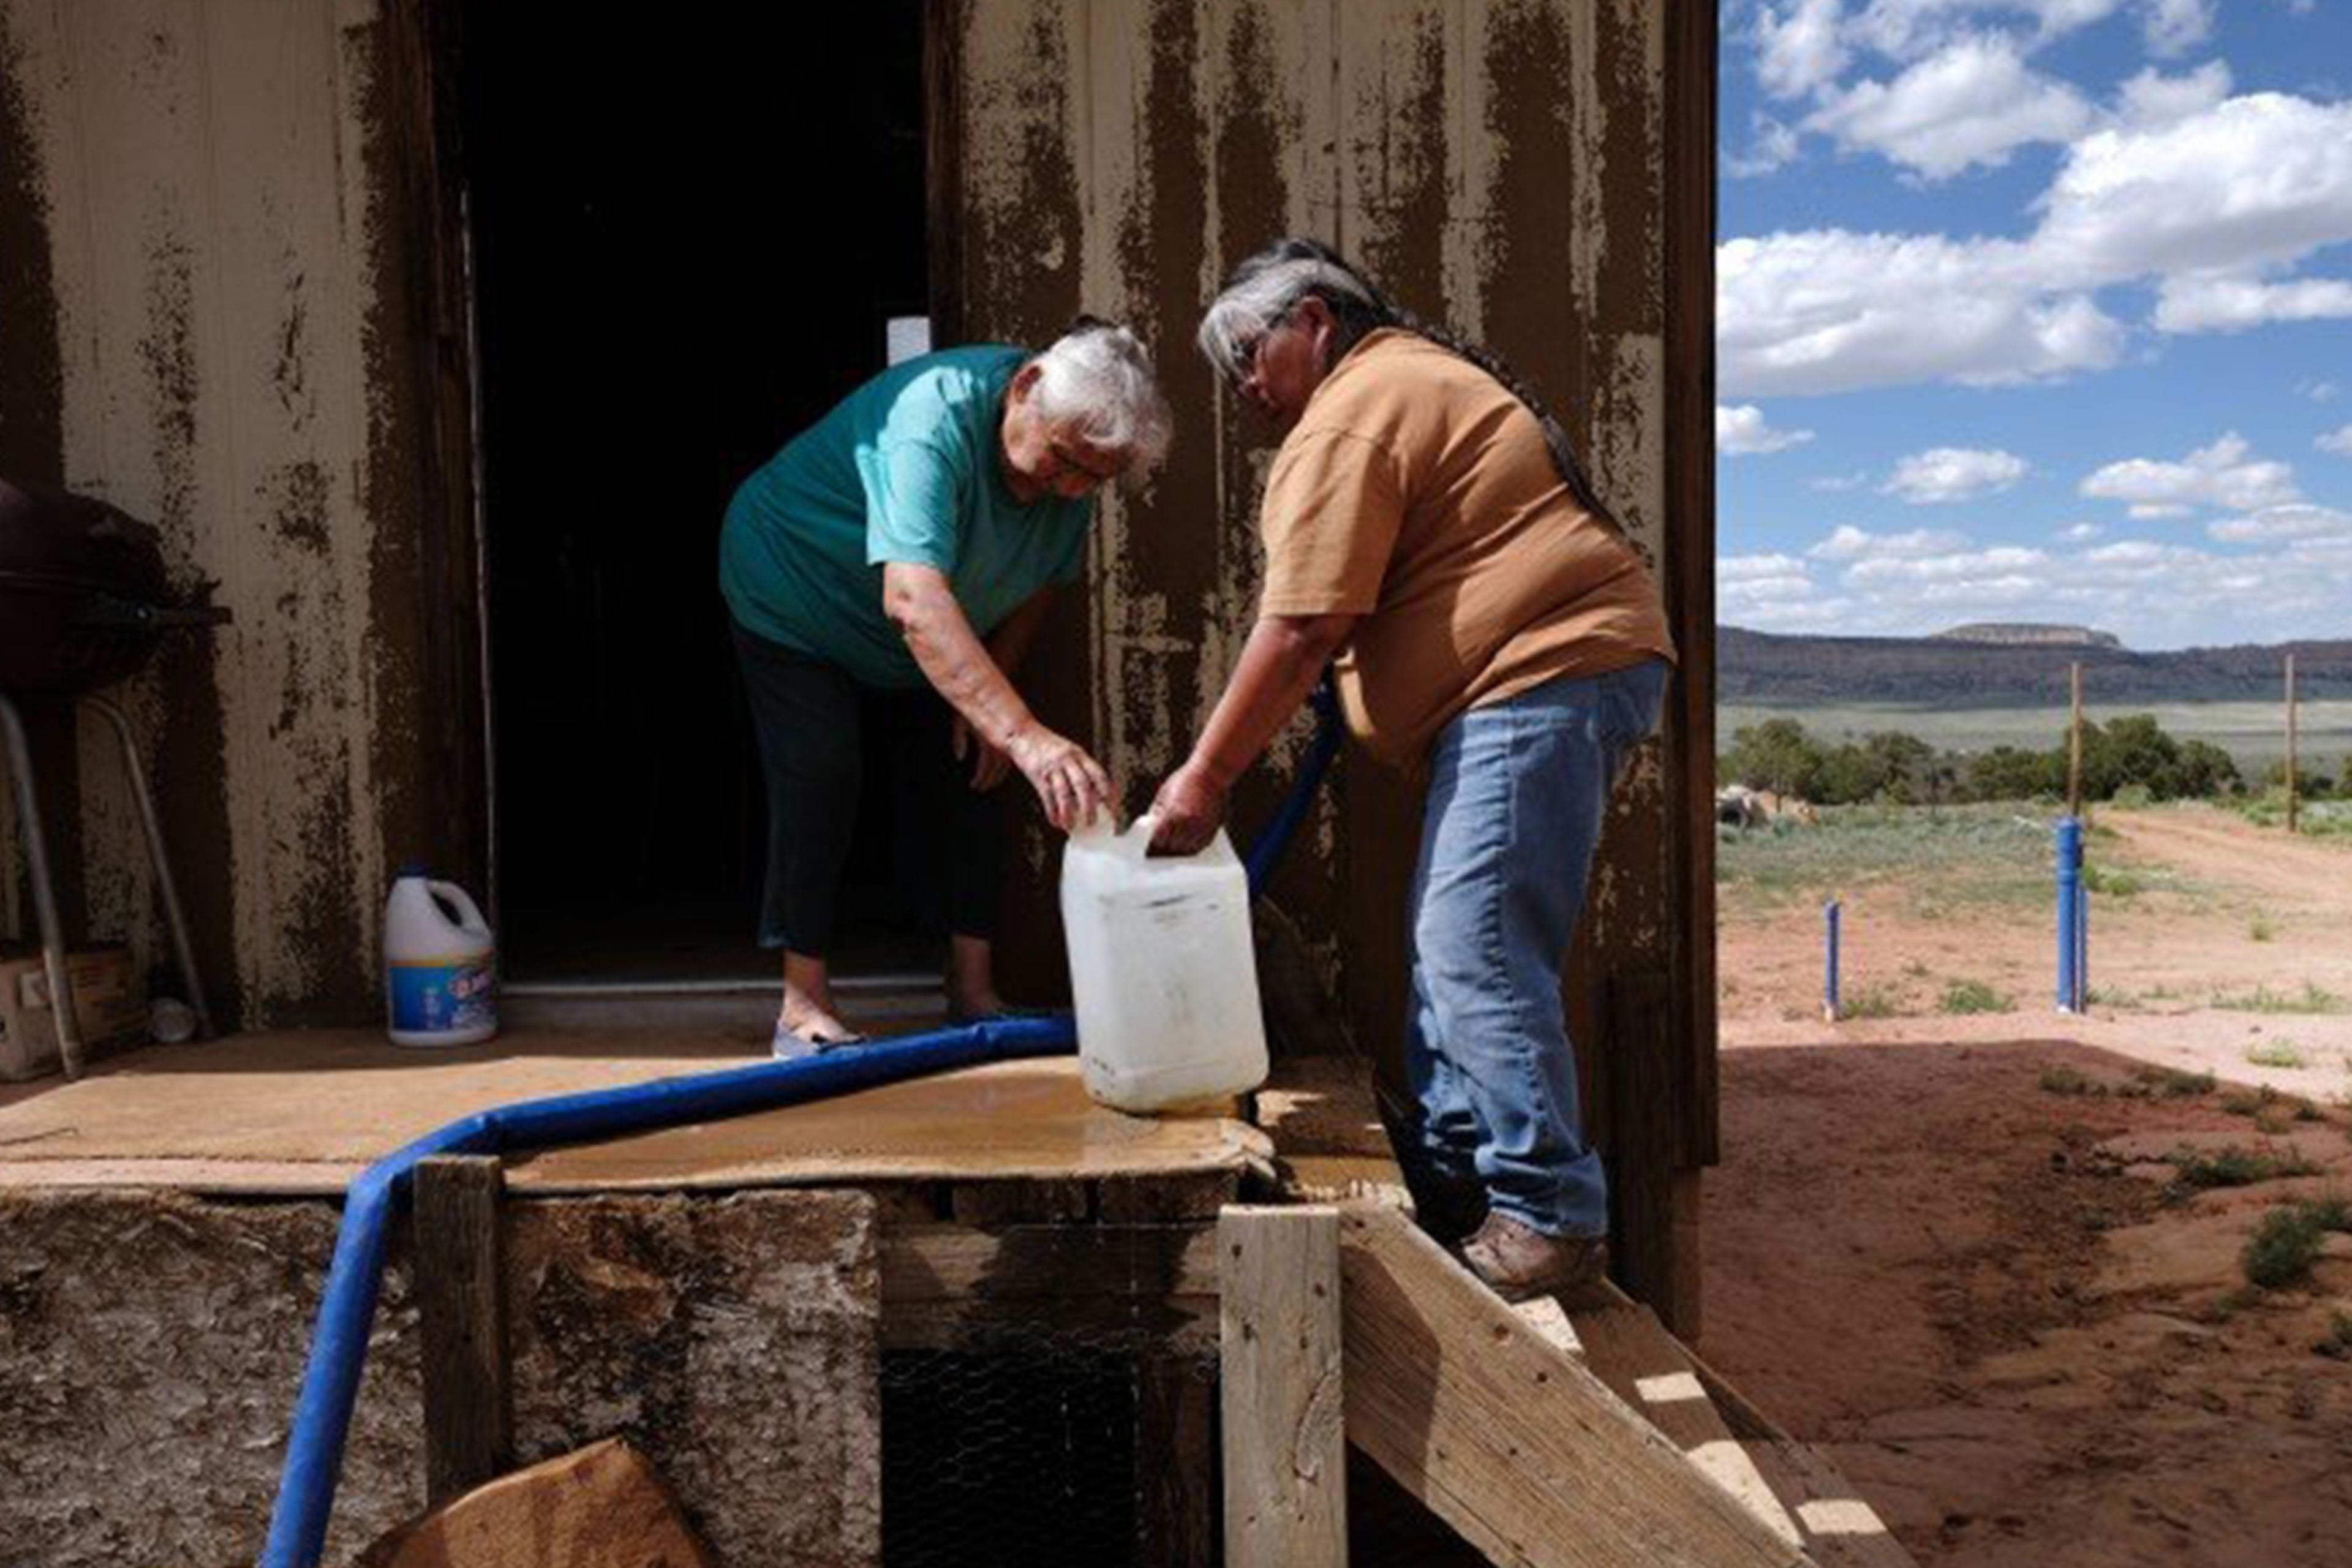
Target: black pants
812	721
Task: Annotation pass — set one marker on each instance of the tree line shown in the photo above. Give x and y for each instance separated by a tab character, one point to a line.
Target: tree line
2132	752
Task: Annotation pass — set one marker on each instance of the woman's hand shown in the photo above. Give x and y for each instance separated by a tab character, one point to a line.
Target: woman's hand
1070	784
1190	806
988	766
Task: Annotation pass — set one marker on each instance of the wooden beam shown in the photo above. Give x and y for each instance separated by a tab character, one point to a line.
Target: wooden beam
1654	1234
461	1312
1046	1262
1507	1438
1176	1448
1286	1456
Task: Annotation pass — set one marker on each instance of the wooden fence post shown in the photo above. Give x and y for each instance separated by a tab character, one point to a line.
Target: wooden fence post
461	1309
1285	1428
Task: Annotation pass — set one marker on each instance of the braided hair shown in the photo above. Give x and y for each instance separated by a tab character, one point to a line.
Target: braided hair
1265	289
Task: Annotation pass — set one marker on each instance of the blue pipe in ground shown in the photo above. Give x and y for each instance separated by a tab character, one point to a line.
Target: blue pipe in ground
2069	850
330	1380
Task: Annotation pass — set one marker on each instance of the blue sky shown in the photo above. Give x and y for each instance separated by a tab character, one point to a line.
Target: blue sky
2036	311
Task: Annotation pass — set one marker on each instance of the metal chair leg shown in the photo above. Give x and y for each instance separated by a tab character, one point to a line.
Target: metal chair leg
45	897
181	951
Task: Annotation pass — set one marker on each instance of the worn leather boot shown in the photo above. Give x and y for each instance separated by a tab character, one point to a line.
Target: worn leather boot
1518	1261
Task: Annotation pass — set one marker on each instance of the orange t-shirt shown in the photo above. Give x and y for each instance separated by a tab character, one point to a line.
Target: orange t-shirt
1417	492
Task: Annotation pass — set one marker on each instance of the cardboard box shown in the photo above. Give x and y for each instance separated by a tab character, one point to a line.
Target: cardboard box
109	1009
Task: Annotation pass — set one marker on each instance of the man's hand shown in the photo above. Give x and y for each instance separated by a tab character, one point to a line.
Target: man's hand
1190	806
1071	784
988	766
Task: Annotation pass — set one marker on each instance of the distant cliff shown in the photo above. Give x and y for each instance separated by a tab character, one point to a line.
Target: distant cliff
1949	672
2028	634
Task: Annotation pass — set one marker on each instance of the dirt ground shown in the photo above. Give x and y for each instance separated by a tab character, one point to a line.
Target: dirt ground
1961	1250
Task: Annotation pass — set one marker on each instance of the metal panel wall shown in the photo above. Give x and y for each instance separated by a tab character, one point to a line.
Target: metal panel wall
1501	164
212	279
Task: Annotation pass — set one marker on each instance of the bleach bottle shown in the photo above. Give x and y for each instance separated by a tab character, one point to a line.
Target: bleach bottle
1161	970
440	975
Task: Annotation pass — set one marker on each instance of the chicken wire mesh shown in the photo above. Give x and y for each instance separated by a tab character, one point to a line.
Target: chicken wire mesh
1029	1446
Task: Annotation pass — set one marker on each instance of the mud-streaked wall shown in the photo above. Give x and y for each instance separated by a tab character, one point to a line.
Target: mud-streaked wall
208	271
1506	165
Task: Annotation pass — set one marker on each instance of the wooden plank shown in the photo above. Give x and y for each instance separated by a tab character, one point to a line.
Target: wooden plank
1840	1529
1160	1198
1176	1520
1644	1234
1330	1144
1503	1435
1044	1262
461	1312
1627	1348
1021	1200
1284	1439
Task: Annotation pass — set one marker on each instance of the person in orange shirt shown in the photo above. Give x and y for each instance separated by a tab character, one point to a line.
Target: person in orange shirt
1426	521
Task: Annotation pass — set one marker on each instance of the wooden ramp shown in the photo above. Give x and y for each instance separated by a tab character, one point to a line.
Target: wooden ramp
1557	1434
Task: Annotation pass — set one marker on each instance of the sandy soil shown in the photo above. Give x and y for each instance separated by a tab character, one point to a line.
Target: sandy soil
1991	1303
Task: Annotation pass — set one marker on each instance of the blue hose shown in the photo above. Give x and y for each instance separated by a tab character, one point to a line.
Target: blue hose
330	1380
1274	839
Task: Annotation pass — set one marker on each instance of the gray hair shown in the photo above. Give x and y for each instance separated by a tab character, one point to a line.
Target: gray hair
1267	288
1098	380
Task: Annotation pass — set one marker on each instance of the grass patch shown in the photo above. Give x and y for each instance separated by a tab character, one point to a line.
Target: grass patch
2070	1080
2111	884
2337	1342
2287	1241
2313	998
1940	858
2266	1104
2166	1083
1870	1002
2262	929
2235	1167
2314	818
1972	996
2277	1054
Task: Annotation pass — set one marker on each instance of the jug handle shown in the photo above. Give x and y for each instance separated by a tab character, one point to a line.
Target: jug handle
1136	842
469	919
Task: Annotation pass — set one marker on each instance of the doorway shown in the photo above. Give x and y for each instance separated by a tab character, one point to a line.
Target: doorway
689	236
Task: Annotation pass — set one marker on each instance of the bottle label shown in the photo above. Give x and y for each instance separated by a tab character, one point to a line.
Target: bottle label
443	998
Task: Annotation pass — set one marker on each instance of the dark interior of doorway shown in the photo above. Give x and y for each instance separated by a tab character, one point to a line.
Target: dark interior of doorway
688	236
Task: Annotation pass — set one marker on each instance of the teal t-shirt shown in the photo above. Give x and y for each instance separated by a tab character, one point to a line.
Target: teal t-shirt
907	468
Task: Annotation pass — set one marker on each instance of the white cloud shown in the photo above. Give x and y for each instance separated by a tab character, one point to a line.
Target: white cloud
1837	484
2173	28
2152	98
1740	431
2210	302
2319	391
1974	102
2292	579
1831	311
2338	441
1797	46
2219	475
2274	525
1771	146
2257	181
1906	29
1942	475
1847	542
2217	206
2079	534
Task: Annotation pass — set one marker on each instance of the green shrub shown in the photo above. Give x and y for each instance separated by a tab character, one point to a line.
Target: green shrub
2287	1241
2069	1080
2236	1167
1973	997
2277	1053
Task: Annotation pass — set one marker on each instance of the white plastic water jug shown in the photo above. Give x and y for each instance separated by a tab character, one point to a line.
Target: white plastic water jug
1161	970
440	975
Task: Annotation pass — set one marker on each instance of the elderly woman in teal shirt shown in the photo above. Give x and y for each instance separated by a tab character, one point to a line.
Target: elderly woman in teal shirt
884	573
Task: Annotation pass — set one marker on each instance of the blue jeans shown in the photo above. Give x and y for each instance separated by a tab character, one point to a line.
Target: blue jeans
1516	791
